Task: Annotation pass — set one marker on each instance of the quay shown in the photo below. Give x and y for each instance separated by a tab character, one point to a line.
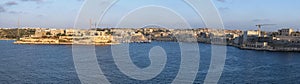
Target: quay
64	43
272	49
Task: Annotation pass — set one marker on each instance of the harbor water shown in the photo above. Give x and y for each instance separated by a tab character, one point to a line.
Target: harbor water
54	64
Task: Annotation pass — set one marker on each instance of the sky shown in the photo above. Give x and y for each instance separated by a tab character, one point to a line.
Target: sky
236	14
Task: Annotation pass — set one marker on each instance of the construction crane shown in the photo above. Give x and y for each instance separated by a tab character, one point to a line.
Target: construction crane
260	27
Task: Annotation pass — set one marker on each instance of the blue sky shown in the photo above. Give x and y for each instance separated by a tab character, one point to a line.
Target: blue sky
236	14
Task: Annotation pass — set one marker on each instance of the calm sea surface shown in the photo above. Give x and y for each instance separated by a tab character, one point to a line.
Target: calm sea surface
54	64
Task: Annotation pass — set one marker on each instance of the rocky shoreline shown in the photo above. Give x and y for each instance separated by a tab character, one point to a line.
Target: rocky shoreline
6	39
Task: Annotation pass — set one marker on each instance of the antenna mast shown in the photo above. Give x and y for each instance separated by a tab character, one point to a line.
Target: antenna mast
18	35
90	23
95	25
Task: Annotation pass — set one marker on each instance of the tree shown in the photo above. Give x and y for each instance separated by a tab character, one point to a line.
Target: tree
48	33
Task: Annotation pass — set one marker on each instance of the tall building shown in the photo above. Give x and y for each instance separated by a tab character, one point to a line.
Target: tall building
286	32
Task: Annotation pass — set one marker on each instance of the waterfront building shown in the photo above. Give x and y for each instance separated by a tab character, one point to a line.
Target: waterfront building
295	34
70	32
286	41
56	32
257	44
286	32
250	36
96	33
254	39
39	33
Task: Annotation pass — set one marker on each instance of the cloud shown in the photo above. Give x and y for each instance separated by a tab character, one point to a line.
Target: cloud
40	15
223	8
2	9
223	1
15	12
5	5
11	3
37	1
261	20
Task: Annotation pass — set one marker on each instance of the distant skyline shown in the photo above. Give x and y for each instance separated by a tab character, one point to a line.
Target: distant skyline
236	14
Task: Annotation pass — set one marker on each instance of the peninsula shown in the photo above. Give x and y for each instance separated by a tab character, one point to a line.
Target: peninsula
282	40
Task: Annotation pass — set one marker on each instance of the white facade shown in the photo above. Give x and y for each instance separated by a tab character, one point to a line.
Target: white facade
250	33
